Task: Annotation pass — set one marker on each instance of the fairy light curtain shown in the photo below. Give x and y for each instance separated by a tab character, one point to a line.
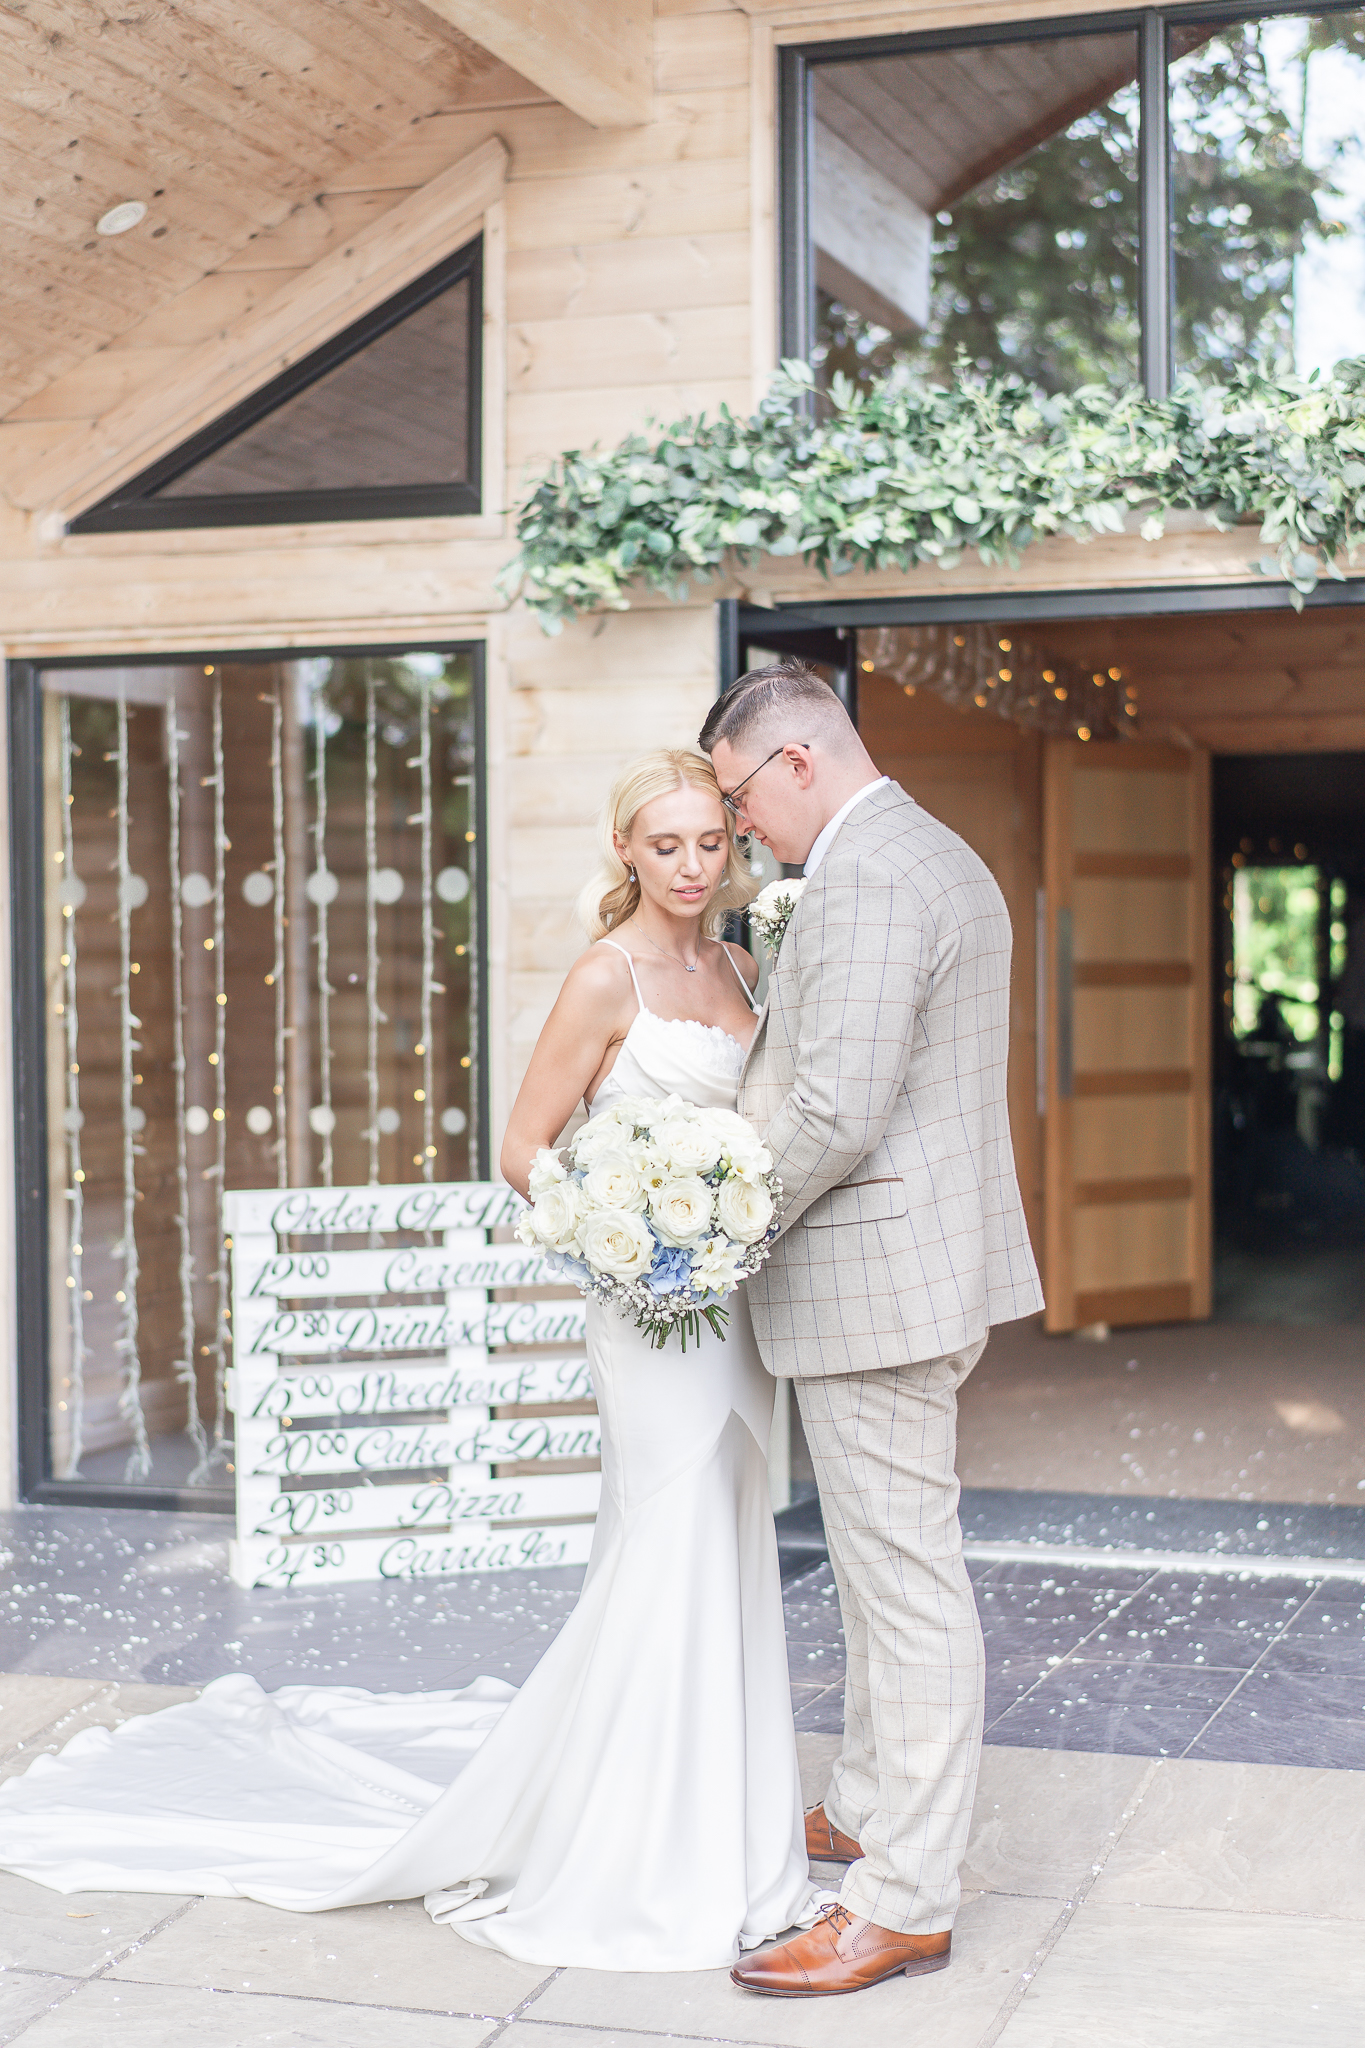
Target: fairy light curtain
261	969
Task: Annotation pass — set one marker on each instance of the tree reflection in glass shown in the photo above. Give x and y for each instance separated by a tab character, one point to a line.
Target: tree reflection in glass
1268	188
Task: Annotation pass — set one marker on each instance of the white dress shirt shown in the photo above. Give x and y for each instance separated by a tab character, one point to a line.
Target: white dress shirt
826	838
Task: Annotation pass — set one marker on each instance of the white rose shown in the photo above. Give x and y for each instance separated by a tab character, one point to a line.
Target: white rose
778	901
547	1171
556	1214
616	1242
612	1182
603	1134
744	1211
718	1268
682	1210
687	1148
525	1228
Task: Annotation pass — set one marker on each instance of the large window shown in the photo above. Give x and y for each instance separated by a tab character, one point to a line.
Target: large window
1089	203
249	893
1268	190
380	422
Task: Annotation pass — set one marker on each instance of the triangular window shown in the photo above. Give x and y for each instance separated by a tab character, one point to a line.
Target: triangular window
380	422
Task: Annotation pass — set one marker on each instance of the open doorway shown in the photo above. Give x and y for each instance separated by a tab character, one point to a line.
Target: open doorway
1289	1098
1230	1365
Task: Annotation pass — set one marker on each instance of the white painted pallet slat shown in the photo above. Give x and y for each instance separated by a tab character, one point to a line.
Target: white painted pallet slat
462	1323
437	1269
469	1438
422	1205
376	1386
319	1512
255	1561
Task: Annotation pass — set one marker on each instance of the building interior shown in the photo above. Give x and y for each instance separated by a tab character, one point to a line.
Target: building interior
1262	1397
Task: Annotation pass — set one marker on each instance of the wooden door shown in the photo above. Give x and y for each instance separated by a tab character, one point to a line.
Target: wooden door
1126	874
980	775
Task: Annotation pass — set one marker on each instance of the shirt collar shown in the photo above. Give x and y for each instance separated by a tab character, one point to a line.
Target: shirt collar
826	838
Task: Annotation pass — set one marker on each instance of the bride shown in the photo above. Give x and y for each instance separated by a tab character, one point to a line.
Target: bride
636	1805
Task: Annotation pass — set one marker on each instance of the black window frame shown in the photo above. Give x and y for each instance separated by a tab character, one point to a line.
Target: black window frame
795	123
29	998
133	508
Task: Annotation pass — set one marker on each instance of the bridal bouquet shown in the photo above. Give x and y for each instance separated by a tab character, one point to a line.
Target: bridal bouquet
662	1210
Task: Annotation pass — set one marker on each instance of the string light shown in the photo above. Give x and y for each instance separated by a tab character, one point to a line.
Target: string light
183	1366
139	1463
321	894
75	1193
427	1092
221	1441
371	940
276	976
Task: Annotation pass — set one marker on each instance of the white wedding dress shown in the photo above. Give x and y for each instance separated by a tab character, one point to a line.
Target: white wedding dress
635	1806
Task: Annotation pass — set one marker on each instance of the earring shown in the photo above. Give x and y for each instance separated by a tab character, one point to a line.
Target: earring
630	876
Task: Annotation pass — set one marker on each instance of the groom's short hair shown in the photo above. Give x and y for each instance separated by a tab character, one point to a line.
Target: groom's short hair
785	695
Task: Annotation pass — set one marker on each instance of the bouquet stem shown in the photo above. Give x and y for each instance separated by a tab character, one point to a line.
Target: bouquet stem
686	1326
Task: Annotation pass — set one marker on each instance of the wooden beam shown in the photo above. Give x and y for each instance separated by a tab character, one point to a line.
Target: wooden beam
316	303
595	57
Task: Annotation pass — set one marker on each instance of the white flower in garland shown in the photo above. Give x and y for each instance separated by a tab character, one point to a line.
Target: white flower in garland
772	909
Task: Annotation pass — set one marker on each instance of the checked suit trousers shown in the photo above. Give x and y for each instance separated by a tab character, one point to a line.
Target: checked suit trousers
883	1445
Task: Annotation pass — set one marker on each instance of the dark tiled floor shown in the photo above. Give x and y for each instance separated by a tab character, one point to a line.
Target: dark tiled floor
1107	1659
1145	1663
1229	1528
1101	1522
132	1595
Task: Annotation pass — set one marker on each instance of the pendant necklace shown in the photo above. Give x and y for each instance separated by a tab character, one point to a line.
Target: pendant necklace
669	956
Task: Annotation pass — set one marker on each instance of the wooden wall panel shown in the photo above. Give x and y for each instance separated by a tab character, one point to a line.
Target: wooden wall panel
628	277
663	347
980	776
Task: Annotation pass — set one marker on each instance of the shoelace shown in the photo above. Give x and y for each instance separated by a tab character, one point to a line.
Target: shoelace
838	1917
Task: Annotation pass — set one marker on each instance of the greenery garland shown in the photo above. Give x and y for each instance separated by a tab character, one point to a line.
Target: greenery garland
900	472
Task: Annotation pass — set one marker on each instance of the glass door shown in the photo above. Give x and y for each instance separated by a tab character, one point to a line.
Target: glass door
258	915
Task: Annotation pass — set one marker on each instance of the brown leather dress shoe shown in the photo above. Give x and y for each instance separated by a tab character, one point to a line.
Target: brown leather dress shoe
841	1953
825	1844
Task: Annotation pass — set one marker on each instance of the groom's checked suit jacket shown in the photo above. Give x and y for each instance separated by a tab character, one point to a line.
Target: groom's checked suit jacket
877	1074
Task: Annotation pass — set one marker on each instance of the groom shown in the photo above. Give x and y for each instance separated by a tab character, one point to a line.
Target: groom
877	1076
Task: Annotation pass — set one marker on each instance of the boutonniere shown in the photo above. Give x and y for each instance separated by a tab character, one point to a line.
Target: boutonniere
771	912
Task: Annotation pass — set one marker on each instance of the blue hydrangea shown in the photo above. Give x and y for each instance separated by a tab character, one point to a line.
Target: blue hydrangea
573	1270
671	1269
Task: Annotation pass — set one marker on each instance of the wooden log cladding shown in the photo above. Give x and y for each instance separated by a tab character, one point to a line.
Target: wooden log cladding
1167	1187
1136	1081
1132	974
1173	867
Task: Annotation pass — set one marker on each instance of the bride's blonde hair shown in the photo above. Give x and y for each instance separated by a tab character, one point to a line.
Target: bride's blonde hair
611	896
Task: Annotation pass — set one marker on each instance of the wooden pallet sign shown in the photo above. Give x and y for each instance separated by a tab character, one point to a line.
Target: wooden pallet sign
364	1382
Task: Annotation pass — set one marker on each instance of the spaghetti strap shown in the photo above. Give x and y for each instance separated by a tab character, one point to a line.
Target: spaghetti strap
748	992
644	1006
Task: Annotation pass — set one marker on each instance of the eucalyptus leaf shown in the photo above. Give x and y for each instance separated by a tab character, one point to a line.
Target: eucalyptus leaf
898	471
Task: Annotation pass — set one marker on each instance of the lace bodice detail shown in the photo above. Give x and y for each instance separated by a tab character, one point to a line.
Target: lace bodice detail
673	1056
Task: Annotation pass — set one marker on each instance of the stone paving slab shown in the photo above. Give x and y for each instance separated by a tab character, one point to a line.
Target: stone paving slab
393	1956
993	1942
113	2015
1244	1838
1154	1977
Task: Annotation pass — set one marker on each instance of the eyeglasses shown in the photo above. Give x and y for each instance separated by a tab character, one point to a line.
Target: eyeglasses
729	800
